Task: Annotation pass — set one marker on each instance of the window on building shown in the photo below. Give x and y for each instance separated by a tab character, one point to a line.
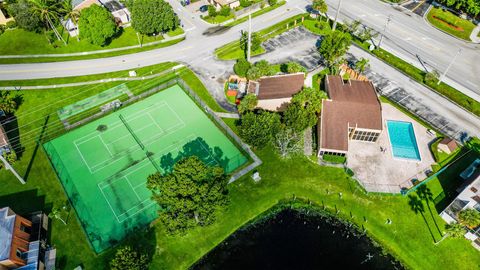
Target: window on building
21	254
24	228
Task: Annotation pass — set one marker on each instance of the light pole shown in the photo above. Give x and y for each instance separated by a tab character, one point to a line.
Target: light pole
449	66
389	19
336	15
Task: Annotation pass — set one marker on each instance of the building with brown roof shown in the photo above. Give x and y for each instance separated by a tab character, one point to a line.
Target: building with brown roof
23	242
275	92
352	112
447	145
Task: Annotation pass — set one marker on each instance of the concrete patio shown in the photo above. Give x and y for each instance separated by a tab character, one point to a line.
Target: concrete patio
379	171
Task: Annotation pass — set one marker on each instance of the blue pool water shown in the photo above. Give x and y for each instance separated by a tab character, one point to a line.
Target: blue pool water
402	139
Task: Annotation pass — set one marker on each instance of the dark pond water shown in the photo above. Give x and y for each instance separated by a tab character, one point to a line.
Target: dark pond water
292	240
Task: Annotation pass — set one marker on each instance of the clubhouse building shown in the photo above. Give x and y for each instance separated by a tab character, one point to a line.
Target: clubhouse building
275	92
352	112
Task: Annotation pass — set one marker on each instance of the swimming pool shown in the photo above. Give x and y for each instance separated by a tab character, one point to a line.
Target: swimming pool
402	139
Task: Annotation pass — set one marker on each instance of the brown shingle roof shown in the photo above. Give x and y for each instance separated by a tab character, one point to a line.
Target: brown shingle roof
280	86
450	143
351	104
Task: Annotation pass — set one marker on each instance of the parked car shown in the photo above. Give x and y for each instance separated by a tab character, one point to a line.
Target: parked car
203	8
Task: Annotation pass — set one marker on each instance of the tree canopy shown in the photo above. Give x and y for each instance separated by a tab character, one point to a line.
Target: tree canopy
334	46
97	25
153	16
128	258
471	7
469	218
248	103
22	11
189	196
259	129
8	102
320	6
303	110
256	41
241	67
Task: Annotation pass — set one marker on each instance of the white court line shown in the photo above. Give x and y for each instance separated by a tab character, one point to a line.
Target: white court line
106	146
130	184
111	208
155	122
138	211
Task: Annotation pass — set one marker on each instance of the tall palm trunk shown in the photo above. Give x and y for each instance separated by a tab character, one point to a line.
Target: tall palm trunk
57	34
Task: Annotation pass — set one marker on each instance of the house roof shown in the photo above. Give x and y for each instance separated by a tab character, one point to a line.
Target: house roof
351	104
279	86
82	4
450	143
112	5
225	2
7	222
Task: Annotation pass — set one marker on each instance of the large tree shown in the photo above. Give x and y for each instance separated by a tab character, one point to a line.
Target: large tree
334	46
24	15
97	25
190	195
47	10
153	16
248	103
303	110
8	102
259	130
255	42
69	13
128	258
287	141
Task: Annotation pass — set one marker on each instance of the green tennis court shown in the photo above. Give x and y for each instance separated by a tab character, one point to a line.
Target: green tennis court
104	165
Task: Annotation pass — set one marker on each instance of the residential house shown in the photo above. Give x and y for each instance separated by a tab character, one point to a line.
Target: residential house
469	197
118	10
352	112
275	92
3	14
218	4
23	242
447	145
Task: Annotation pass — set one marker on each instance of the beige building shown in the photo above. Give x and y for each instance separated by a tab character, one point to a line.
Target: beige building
218	4
447	145
275	92
352	112
3	17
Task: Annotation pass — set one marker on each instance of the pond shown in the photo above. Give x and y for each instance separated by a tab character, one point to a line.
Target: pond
294	240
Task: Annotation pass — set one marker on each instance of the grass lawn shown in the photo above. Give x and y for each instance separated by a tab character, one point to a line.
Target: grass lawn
218	18
176	32
256	13
450	23
90	56
407	237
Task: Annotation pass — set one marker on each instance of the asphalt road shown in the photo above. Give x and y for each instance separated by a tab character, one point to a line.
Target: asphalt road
408	36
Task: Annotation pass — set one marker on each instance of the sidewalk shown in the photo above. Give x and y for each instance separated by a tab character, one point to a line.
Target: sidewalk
474	35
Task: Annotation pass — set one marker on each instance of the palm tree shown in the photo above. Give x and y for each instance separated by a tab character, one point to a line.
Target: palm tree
69	13
361	65
417	207
47	10
426	194
7	102
56	213
454	230
320	6
469	217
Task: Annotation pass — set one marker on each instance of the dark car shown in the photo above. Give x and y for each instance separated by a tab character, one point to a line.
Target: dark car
203	8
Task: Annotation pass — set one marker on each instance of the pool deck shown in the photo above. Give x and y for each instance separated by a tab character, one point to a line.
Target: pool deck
381	172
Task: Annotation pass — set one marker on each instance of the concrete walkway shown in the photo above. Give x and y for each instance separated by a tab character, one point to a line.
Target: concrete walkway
474	35
228	115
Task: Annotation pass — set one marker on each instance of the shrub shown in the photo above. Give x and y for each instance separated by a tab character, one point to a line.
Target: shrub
245	3
469	217
225	11
2	29
272	2
11	24
241	67
334	159
128	258
432	77
212	11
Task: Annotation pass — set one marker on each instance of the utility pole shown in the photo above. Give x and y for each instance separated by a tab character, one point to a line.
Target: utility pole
139	42
389	19
336	15
449	66
249	45
9	167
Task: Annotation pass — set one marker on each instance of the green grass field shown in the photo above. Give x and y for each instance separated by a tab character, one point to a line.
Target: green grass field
450	23
104	172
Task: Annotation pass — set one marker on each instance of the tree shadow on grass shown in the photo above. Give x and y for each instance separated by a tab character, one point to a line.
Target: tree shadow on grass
25	202
12	131
416	205
197	147
35	150
425	194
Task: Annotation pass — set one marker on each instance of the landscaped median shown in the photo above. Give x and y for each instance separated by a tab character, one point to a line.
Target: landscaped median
450	23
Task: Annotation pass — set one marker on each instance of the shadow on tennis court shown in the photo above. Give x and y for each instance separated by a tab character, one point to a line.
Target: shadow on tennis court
199	148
